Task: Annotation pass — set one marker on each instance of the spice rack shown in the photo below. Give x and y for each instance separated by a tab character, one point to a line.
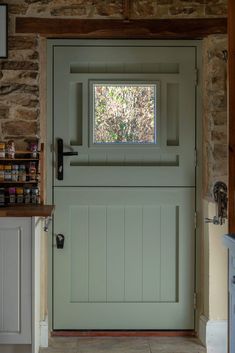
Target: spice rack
21	178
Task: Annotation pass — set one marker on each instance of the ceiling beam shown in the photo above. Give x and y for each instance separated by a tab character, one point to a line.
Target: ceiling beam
138	29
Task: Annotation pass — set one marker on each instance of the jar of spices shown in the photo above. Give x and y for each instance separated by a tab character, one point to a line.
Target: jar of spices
22	173
26	194
35	195
2	173
7	172
2	197
2	150
15	172
19	195
12	195
33	146
32	171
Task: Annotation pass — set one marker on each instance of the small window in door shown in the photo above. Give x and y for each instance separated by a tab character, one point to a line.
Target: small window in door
124	113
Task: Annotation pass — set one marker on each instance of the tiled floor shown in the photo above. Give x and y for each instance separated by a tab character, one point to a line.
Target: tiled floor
124	345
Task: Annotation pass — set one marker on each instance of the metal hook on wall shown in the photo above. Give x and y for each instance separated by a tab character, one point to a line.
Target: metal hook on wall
221	199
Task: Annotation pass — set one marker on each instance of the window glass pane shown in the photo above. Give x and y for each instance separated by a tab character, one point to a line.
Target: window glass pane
124	113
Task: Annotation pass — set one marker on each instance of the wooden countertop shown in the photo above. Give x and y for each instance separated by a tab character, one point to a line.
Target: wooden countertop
27	211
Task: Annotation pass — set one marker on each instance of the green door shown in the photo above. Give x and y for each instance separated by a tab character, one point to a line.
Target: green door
126	202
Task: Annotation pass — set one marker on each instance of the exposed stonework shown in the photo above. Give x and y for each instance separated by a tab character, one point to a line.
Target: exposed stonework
215	113
178	8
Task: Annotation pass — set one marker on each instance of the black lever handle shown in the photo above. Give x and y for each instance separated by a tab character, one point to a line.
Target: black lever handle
60	158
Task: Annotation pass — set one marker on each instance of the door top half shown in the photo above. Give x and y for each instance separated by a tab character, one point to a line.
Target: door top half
156	84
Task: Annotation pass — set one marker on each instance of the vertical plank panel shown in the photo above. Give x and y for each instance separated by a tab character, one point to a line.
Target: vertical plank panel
79	253
115	253
133	253
151	253
97	253
168	253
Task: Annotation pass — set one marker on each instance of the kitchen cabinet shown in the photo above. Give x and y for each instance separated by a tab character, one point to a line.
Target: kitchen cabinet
21	231
229	241
15	280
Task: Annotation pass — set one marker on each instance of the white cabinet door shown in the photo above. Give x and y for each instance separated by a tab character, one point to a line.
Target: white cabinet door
15	280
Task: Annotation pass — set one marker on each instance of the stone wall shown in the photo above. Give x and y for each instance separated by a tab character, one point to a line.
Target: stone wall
215	150
20	96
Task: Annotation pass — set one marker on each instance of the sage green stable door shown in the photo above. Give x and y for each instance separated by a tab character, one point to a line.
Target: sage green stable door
126	209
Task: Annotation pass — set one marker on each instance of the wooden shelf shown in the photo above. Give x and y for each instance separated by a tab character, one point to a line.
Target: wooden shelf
27	211
25	156
18	159
20	182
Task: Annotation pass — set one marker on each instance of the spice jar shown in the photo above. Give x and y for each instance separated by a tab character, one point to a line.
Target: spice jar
2	196
2	173
12	195
35	195
32	171
15	172
26	194
2	150
7	172
33	146
19	195
22	173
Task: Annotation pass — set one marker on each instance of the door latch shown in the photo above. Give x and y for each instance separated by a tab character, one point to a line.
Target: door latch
60	158
60	241
221	200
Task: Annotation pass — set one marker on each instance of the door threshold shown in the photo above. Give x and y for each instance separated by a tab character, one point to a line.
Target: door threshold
123	333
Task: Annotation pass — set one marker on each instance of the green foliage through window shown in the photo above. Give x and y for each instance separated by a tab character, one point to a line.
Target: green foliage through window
124	113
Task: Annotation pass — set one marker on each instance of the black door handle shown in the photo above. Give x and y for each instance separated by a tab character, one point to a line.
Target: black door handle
60	158
60	241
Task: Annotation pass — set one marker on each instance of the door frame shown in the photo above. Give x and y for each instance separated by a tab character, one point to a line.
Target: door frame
50	150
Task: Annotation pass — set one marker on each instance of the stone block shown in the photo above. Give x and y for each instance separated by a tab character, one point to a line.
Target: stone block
22	42
144	8
19	127
217	102
220	152
22	100
26	114
95	8
186	10
22	77
219	136
216	10
23	55
17	9
4	112
18	88
220	118
18	65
